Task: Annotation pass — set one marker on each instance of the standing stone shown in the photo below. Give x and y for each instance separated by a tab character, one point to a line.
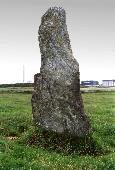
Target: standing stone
56	101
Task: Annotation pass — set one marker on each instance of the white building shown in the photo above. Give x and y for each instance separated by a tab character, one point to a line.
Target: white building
108	83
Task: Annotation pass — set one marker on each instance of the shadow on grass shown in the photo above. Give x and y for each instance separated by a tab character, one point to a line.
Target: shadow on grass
64	143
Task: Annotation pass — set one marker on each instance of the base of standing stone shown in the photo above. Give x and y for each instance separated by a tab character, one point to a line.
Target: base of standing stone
57	108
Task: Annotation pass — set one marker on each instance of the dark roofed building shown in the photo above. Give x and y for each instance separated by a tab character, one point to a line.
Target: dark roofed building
89	83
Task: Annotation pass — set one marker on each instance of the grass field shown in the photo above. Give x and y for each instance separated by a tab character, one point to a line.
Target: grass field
16	127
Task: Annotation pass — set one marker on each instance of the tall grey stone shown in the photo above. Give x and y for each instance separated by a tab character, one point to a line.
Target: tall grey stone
56	101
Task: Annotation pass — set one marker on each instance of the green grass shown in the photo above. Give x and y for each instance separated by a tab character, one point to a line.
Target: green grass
16	121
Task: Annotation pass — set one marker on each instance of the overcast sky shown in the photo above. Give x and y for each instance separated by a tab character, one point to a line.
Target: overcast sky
91	26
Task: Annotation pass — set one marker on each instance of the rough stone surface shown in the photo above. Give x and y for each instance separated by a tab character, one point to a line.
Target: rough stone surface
56	101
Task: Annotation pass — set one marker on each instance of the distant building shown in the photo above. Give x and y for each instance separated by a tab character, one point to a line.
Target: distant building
108	83
89	83
29	81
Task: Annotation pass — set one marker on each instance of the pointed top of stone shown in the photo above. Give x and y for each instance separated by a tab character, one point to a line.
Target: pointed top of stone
55	11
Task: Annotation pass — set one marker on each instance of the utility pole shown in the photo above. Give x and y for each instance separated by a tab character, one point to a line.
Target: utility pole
23	73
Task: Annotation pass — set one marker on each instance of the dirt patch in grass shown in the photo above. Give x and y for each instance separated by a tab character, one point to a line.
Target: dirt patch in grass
11	137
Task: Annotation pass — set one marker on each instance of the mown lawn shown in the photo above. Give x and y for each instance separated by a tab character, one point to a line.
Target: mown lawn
16	126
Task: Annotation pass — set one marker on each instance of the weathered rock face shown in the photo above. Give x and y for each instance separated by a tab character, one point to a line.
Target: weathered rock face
56	101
